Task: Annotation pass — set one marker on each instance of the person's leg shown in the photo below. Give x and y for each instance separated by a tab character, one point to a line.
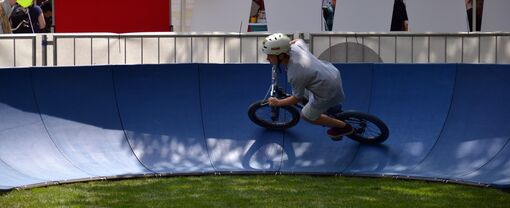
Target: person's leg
316	116
325	120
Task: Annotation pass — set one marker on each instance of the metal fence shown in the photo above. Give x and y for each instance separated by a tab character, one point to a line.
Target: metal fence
93	49
155	48
19	50
412	47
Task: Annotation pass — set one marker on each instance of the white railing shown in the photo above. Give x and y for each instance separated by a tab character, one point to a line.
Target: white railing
412	47
154	48
19	50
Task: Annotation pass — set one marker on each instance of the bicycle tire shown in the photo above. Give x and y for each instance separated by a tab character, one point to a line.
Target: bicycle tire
364	124
257	110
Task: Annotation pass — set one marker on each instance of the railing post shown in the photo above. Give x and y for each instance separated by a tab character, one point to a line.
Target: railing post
44	50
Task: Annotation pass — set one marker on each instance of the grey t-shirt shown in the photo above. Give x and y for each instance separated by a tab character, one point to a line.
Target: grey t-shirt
305	72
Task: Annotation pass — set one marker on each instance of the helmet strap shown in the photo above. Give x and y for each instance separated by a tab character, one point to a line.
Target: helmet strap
282	57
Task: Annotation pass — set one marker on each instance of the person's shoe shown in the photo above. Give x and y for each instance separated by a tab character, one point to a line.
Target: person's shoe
336	133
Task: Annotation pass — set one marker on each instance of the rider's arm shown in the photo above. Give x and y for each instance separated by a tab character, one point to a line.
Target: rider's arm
300	43
283	102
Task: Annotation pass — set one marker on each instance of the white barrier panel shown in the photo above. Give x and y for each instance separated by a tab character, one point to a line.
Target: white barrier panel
496	16
291	16
6	59
154	48
24	57
220	15
503	45
19	50
116	48
437	15
403	47
363	15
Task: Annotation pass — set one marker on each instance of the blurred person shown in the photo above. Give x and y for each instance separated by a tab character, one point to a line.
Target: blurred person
5	12
328	12
27	20
479	11
37	17
399	19
40	2
47	9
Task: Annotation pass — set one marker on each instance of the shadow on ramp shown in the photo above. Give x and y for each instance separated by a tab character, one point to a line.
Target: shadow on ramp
448	122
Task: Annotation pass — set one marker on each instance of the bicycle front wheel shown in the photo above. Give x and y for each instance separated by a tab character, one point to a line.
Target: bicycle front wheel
262	114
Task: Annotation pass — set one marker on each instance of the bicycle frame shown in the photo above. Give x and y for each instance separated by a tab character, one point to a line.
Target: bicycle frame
276	91
274	81
280	93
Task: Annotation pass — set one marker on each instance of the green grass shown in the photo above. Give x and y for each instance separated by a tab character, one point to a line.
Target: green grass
257	191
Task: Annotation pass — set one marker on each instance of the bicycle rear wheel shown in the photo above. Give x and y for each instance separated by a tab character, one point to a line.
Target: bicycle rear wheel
368	129
262	114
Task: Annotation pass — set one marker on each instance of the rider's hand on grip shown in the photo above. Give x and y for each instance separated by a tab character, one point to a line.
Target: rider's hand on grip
273	101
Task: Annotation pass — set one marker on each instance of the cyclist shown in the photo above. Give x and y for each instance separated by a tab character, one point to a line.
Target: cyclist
313	79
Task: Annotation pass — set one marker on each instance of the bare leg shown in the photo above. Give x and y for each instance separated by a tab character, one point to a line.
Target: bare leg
326	121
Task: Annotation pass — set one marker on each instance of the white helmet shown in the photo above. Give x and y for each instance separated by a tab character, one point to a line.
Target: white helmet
276	44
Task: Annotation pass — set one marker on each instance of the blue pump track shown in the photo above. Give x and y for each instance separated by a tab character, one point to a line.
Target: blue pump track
448	122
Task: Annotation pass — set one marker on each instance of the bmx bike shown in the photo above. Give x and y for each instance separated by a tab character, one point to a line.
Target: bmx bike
368	129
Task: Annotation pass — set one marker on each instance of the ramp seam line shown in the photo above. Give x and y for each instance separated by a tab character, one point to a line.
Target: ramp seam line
202	117
454	87
283	133
488	161
16	170
347	167
114	89
32	84
281	156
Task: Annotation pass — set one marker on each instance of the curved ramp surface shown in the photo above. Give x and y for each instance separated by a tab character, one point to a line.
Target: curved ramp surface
447	122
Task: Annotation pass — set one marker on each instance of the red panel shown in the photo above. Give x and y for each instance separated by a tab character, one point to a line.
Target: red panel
112	16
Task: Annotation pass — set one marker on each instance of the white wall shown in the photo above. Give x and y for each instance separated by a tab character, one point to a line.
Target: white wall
437	15
294	15
496	16
220	15
363	15
351	15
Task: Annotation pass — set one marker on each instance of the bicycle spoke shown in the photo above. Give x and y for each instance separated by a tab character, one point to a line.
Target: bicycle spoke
364	128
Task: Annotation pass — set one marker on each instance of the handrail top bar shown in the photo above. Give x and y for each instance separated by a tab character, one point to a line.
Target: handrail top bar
25	36
410	34
251	34
161	34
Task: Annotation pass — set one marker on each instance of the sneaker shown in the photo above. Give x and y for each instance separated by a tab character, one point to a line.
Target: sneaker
336	133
